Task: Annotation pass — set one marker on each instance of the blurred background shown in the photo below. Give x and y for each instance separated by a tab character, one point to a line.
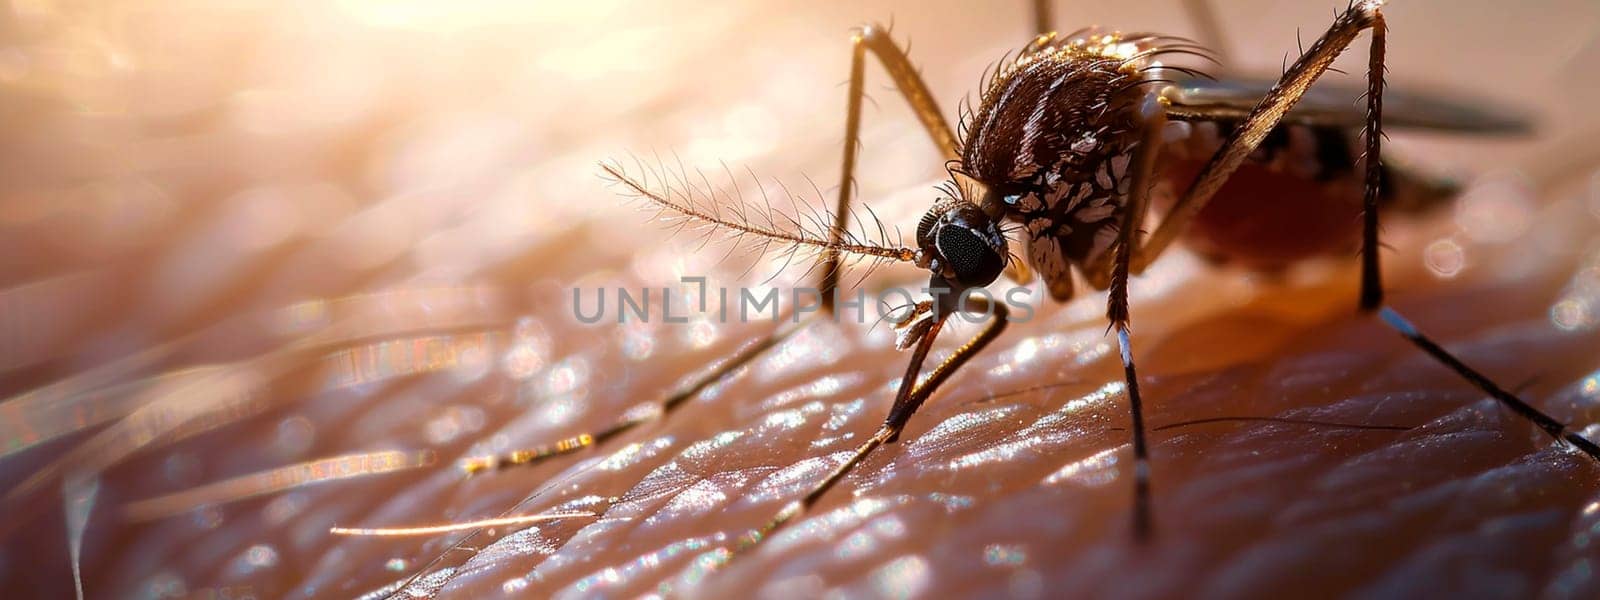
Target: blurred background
268	267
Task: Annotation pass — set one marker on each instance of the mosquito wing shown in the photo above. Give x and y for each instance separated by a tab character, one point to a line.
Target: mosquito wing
1327	103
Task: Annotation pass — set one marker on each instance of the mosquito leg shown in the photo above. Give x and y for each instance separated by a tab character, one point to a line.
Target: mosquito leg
1372	277
908	81
906	402
1117	312
1043	17
634	418
1545	422
1362	14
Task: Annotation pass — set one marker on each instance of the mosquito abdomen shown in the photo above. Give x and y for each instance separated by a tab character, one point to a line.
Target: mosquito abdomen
1297	197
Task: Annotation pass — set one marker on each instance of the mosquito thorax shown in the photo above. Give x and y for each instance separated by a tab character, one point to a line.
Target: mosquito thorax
961	246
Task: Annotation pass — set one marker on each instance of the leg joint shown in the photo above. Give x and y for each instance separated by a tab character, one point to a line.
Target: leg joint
870	33
1367	13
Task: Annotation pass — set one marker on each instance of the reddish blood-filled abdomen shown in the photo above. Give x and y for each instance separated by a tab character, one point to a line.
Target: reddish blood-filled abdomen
1266	219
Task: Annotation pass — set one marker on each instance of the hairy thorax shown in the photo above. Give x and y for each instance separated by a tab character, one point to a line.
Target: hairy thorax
1052	139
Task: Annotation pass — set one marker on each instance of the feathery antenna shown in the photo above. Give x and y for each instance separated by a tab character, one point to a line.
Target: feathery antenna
774	231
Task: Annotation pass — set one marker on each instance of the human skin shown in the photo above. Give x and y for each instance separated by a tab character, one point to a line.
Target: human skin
387	152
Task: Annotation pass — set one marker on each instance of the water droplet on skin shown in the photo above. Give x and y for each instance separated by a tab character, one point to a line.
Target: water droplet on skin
997	555
904	578
1572	314
207	517
514	585
1445	258
165	584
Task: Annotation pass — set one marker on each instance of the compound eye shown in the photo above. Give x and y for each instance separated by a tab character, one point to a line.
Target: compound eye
973	260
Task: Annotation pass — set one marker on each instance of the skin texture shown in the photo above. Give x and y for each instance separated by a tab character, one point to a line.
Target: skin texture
185	190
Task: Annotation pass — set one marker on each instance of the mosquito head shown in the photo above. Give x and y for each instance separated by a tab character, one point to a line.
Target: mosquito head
962	246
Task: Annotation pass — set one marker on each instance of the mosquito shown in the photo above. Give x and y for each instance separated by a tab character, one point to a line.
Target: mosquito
1072	142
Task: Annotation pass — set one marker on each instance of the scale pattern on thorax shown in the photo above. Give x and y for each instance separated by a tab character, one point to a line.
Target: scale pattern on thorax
1052	138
